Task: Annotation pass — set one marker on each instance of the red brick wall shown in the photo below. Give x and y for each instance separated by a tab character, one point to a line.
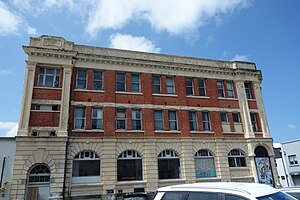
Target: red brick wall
47	119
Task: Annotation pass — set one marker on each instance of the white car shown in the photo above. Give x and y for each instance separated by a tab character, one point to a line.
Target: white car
221	191
293	191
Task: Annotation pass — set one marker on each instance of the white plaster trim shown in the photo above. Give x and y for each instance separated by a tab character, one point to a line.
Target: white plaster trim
88	131
128	131
200	132
152	106
171	180
208	178
227	98
86	90
161	131
47	88
237	133
42	101
132	93
43	128
198	97
47	111
164	95
130	182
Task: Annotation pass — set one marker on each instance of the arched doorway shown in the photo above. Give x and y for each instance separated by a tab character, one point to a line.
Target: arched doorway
263	166
38	183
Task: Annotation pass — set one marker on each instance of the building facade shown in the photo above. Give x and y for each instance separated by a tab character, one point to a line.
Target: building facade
7	153
98	121
287	163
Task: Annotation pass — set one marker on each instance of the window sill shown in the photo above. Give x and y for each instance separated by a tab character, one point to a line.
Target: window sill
195	132
295	165
84	180
164	95
198	97
251	99
233	133
228	98
238	168
47	88
131	93
208	179
171	180
130	182
225	123
48	111
88	131
128	131
86	90
161	131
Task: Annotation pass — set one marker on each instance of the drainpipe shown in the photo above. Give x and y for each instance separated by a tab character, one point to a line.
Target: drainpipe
2	171
65	170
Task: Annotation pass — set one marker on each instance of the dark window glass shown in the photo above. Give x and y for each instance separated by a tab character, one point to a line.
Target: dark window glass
193	121
48	77
202	196
81	79
236	117
172	120
254	122
97	118
97	85
135	82
248	90
169	168
86	163
174	196
170	85
158	118
156	84
224	117
220	89
236	158
189	86
121	81
79	118
121	119
206	121
136	120
129	166
201	86
234	197
230	89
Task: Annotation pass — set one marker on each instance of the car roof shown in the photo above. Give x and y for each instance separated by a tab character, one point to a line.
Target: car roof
291	189
252	189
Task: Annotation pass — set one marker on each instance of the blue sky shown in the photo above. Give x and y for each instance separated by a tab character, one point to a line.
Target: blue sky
266	32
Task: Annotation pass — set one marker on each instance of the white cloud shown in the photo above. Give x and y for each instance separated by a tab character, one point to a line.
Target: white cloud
173	16
291	126
9	21
31	31
130	42
10	128
4	72
240	58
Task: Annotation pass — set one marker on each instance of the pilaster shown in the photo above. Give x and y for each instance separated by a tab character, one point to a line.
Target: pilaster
188	161
150	169
221	159
245	114
26	98
261	109
65	101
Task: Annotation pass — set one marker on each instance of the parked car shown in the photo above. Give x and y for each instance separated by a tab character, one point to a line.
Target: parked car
294	191
221	191
137	196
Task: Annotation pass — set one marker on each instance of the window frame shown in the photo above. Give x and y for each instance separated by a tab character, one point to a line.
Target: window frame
158	120
293	161
238	117
238	159
43	76
100	81
210	156
138	83
189	88
97	118
120	84
136	119
222	115
43	176
171	86
155	85
81	79
118	119
248	87
254	122
202	88
173	120
208	121
220	88
193	120
133	156
230	89
167	155
80	118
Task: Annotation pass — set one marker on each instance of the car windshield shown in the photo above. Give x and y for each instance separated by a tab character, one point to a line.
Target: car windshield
276	196
294	194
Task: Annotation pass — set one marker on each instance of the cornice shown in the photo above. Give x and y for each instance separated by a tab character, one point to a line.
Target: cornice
45	52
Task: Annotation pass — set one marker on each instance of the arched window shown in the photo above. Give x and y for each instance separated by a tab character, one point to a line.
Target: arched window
168	165
205	164
86	167
38	185
39	174
129	166
236	158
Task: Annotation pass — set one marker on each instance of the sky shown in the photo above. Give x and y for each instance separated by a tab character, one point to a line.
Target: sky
266	32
